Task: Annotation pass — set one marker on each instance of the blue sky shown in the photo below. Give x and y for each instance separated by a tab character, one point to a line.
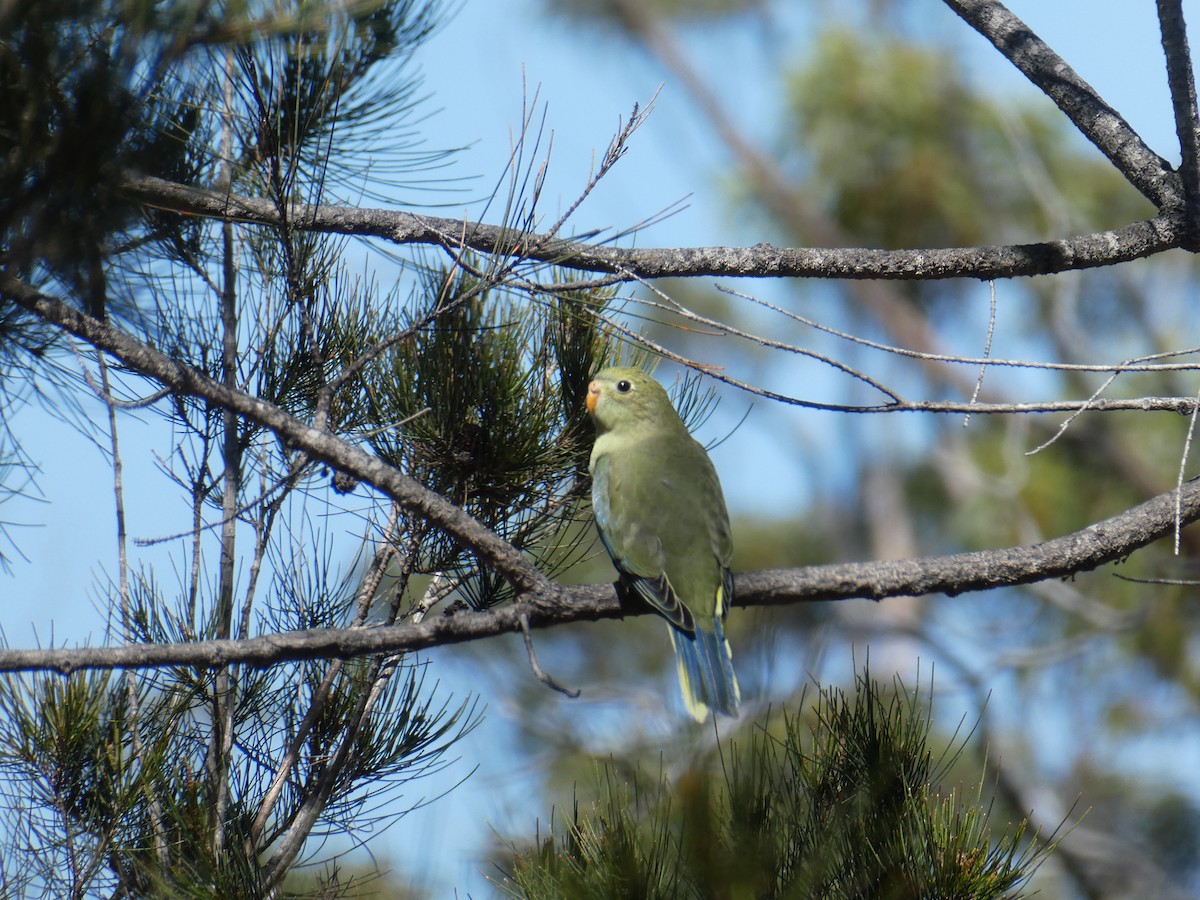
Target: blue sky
478	71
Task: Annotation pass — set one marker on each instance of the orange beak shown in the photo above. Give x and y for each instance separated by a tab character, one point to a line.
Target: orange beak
593	395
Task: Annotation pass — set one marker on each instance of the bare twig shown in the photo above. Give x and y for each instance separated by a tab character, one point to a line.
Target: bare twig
439	588
320	695
538	671
223	696
284	851
1183	405
1084	407
771	343
104	390
1134	365
987	348
1183	458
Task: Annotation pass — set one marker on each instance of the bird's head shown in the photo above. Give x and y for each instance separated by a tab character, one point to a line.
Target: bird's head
623	397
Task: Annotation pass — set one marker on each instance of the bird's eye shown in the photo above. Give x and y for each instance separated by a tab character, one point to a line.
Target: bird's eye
624	387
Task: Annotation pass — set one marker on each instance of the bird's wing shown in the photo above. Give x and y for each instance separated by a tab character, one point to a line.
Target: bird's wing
719	533
635	551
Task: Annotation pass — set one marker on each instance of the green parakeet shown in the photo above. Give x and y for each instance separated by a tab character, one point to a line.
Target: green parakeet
662	518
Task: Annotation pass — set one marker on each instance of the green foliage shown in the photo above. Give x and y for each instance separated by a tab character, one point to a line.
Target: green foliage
105	777
316	98
484	404
842	803
71	119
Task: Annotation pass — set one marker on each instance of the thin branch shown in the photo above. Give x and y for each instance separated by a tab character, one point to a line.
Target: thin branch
268	495
320	789
217	761
1095	119
102	392
550	604
133	721
1135	364
439	588
1182	405
616	149
1134	241
1062	429
1183	458
320	695
670	305
987	348
538	671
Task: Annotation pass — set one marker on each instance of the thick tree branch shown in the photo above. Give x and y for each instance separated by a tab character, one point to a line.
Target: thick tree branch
1134	241
1182	82
1099	122
321	446
1081	551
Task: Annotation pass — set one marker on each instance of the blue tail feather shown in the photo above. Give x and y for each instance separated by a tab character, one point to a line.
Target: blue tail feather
706	674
